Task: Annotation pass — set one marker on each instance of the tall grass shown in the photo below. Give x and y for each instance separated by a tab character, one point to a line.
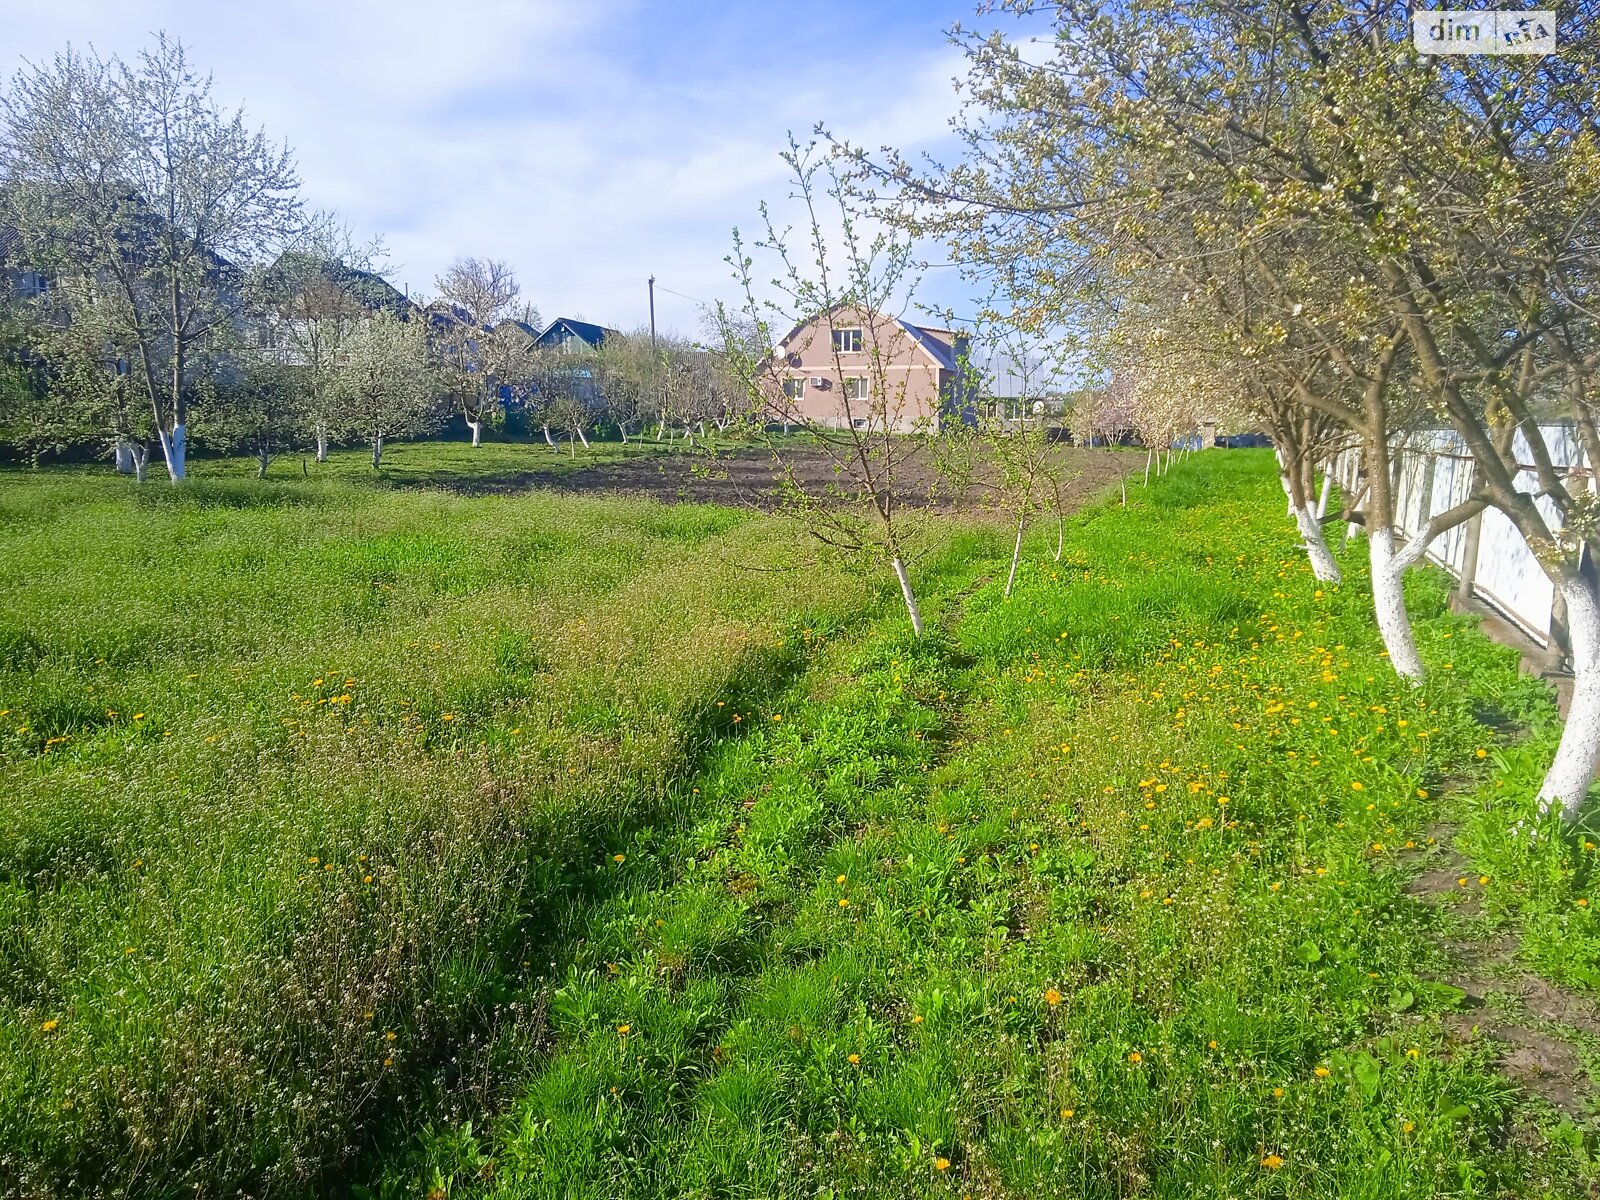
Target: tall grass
291	779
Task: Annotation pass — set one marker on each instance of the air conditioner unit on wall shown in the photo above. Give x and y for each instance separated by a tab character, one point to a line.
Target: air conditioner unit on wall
820	382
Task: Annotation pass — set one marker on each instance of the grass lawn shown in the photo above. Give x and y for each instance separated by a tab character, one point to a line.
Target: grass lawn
419	844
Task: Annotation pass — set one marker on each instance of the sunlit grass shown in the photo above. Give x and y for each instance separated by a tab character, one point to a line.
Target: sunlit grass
533	846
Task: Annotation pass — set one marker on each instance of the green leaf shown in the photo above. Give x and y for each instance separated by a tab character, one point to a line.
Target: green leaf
1369	1075
1400	1001
1310	952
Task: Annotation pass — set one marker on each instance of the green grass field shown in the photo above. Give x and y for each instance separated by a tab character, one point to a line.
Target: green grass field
383	840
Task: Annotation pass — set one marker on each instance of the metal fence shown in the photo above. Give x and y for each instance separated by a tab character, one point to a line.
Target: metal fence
1487	554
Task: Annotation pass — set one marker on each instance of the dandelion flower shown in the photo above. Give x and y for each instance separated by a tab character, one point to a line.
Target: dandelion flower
624	1028
855	1060
1272	1162
941	1164
1321	1072
1356	785
1136	1057
841	879
616	858
843	903
1052	997
50	1025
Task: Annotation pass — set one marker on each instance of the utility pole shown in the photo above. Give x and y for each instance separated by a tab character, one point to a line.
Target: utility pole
652	314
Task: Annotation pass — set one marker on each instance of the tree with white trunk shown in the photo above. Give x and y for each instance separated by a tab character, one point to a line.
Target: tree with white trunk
313	298
133	181
1417	231
484	348
872	452
384	386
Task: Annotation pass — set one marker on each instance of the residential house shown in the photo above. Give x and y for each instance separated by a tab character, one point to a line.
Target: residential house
850	367
575	336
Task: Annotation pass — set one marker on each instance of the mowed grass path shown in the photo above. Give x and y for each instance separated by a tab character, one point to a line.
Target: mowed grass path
536	847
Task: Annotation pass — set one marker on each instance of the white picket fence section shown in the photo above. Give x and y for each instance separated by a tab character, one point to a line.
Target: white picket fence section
1487	553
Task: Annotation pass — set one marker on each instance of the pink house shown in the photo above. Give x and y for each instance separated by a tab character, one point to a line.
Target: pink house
854	368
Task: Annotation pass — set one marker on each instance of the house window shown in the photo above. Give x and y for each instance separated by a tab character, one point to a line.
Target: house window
855	388
860	423
794	389
847	341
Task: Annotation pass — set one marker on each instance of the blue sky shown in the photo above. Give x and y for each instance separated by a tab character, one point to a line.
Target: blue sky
589	143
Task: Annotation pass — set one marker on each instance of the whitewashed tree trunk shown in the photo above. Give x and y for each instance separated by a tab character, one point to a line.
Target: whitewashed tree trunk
322	443
1061	524
623	430
1016	555
1567	782
124	457
910	596
661	428
263	460
377	452
1322	498
1388	599
1323	565
477	433
174	447
141	461
550	439
1148	456
583	439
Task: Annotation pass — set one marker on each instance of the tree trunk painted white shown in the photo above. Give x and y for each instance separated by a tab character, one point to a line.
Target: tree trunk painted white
141	461
1322	498
1388	599
1061	524
1323	564
322	443
661	428
910	596
1148	455
550	439
377	452
173	451
1016	555
1572	771
263	458
124	457
477	433
583	439
623	430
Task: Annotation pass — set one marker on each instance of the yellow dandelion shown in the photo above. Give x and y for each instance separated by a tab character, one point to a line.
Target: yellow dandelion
855	1060
941	1164
1136	1057
1272	1162
1321	1072
1052	997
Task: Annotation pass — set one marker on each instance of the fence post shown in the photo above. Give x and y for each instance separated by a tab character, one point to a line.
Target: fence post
1469	557
1560	636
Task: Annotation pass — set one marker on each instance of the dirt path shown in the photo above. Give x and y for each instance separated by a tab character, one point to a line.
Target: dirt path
1538	1028
751	478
